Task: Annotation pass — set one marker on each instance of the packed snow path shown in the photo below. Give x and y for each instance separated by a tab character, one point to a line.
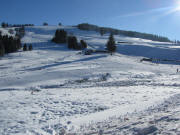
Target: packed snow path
52	89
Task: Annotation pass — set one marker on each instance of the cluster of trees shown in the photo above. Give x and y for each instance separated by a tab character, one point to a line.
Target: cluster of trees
86	26
103	30
9	44
60	36
26	47
72	42
21	25
46	24
147	36
5	25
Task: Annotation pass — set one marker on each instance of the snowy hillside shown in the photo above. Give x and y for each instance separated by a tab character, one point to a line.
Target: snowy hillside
8	31
53	90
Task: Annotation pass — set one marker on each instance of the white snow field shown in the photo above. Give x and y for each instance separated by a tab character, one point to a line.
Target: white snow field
52	90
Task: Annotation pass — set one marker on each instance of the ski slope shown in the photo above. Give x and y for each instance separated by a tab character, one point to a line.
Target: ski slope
53	90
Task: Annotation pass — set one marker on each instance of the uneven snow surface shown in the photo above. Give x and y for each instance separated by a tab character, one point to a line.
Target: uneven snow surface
52	90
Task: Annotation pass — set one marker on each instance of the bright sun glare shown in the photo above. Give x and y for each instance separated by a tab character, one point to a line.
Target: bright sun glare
177	6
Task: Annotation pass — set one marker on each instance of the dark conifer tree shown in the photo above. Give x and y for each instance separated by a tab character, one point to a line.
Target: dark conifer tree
111	47
45	24
9	44
2	50
25	47
72	43
3	24
60	36
30	47
19	45
83	44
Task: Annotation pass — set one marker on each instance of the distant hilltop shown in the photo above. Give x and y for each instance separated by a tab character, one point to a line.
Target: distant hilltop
103	30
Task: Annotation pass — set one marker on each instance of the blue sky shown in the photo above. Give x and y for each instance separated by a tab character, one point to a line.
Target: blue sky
151	16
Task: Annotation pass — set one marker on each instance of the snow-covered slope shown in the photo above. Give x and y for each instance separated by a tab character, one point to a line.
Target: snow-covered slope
52	89
8	31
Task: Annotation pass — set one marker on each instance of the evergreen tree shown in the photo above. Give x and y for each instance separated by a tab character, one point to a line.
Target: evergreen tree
25	47
72	43
4	25
9	44
59	24
2	50
111	47
83	44
18	41
60	36
45	24
30	47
